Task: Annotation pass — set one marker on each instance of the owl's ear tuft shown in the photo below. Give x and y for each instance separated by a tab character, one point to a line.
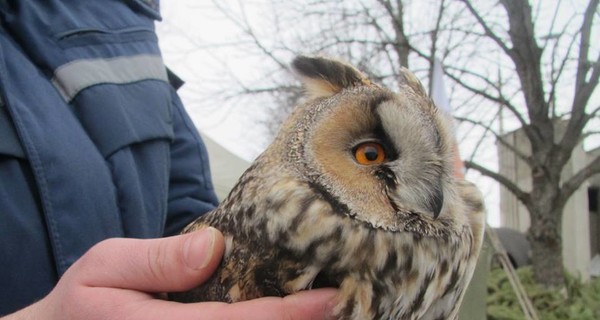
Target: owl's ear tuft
409	79
324	77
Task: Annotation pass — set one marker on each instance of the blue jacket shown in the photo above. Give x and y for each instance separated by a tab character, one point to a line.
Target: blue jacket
94	142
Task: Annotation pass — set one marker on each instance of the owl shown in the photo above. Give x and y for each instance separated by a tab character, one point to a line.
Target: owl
356	192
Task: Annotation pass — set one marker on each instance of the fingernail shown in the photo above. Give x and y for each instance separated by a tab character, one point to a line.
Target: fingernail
198	248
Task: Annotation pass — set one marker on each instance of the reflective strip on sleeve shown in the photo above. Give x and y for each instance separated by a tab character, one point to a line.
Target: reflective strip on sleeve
75	76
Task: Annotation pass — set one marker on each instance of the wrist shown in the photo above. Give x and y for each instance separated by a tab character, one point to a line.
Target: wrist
31	312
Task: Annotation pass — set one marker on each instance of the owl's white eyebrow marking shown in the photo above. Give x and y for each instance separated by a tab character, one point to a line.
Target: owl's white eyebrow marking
392	149
380	98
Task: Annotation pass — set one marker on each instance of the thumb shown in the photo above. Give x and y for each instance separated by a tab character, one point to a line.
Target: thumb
157	265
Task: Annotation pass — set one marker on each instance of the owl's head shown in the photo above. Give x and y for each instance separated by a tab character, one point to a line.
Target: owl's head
380	157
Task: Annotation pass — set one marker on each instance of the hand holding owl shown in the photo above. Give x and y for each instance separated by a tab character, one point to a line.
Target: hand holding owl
121	279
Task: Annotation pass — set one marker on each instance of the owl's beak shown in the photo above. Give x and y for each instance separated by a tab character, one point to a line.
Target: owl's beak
436	201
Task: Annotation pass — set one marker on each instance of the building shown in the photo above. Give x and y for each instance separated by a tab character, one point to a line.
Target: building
593	195
581	223
225	166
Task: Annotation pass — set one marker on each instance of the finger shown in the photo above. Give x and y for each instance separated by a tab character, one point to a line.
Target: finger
169	264
313	304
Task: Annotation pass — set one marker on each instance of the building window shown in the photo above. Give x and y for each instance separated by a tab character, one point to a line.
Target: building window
593	199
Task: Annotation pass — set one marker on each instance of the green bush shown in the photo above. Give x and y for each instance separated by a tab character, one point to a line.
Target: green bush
581	301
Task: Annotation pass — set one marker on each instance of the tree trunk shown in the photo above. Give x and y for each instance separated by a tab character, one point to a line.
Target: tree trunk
546	247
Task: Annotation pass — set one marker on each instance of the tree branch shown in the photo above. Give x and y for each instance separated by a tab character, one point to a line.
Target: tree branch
583	64
402	45
571	185
526	56
488	31
595	111
588	134
527	159
583	88
497	99
245	26
523	196
555	76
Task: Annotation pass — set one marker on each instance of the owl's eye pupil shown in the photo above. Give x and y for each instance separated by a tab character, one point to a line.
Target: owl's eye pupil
369	153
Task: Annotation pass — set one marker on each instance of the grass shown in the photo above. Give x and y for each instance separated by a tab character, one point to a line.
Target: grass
580	301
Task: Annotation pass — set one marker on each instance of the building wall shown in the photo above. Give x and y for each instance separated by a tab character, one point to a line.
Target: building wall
595	232
512	213
594	183
576	218
225	167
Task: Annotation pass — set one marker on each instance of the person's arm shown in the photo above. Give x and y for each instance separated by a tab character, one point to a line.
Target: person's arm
121	278
191	192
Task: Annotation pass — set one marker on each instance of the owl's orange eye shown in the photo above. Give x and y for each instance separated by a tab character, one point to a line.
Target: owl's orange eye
368	153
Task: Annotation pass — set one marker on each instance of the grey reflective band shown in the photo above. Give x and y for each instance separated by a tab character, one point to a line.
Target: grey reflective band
75	76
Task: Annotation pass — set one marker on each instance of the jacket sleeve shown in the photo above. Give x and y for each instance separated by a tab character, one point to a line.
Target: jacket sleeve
191	192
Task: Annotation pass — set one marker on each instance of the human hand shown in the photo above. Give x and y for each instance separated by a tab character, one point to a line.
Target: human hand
121	278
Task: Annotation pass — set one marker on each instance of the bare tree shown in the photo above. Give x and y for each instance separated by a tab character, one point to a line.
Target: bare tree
370	34
565	53
499	56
